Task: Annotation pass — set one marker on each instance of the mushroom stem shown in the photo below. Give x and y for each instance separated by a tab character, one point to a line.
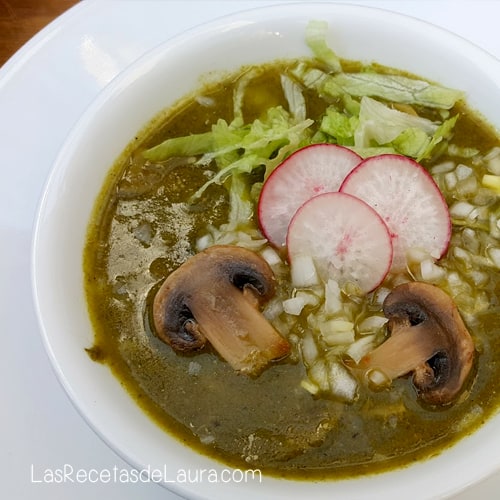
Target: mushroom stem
238	331
400	353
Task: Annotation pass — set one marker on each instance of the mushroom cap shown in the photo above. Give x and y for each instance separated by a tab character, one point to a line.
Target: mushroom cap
215	296
428	338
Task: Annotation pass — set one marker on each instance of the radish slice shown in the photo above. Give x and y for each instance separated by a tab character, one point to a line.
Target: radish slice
310	171
407	199
346	238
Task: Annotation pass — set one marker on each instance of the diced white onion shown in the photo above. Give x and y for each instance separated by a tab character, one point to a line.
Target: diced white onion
314	320
309	349
381	294
336	325
361	347
467	186
309	297
494	255
342	383
270	256
294	305
442	168
482	303
479	213
309	386
462	254
463	172
494	226
319	375
204	242
493	160
431	272
339	338
273	309
461	209
450	180
333	300
454	280
228	238
303	271
415	255
494	152
281	326
371	324
479	278
470	240
378	378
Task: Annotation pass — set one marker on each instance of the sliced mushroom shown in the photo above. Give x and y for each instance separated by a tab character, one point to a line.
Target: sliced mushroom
428	338
215	296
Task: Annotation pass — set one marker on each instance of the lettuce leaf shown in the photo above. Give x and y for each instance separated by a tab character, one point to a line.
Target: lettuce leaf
443	132
374	151
241	205
189	145
339	125
294	97
393	88
311	78
412	142
240	148
380	129
316	32
382	124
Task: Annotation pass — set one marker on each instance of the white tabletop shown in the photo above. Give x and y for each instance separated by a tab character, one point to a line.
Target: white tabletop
43	90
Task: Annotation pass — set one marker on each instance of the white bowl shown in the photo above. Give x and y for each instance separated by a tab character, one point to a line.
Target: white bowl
123	108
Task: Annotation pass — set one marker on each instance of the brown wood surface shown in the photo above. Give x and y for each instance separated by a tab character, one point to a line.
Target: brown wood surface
21	19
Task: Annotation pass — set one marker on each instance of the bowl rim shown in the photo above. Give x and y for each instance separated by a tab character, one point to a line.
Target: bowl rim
128	75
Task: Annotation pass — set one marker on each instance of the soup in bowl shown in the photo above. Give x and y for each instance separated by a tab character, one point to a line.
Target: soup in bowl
268	254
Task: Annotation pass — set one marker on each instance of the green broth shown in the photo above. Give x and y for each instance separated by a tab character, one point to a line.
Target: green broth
143	228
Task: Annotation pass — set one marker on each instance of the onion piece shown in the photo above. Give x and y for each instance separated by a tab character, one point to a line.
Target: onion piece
361	347
494	255
303	271
342	384
371	324
461	209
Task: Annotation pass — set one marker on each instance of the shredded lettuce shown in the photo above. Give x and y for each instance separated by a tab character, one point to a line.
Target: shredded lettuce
393	88
408	134
316	32
374	151
360	116
378	128
382	124
294	97
238	148
189	145
239	94
241	205
339	125
443	132
412	142
310	78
